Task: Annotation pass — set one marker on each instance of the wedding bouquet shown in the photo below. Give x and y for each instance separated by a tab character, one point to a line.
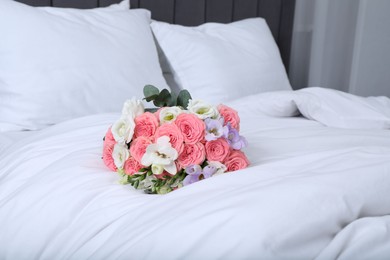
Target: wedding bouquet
181	142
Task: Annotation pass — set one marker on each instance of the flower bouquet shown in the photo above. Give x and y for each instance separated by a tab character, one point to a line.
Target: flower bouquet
180	142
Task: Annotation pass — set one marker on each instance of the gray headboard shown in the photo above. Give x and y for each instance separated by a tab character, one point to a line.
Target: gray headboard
278	13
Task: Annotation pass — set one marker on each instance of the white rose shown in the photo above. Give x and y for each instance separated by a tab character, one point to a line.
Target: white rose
120	154
123	130
169	114
221	168
132	108
202	109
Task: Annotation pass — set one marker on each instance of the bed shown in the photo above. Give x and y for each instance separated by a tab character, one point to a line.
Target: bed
318	183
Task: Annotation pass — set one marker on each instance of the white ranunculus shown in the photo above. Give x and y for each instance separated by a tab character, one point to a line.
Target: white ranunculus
120	154
169	114
221	168
161	153
202	109
123	130
132	108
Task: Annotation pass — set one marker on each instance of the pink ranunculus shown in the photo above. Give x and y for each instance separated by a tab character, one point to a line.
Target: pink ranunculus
132	166
230	115
145	125
109	138
217	150
192	127
236	160
193	154
107	155
108	147
138	147
175	136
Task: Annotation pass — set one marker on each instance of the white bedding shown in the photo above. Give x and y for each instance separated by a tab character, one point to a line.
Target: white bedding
9	138
311	191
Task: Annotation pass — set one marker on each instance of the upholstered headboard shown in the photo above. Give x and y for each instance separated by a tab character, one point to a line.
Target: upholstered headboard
279	14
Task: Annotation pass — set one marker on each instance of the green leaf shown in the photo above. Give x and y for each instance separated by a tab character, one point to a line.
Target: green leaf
163	98
150	91
183	98
151	98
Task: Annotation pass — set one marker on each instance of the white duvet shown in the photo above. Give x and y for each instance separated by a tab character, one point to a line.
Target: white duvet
312	191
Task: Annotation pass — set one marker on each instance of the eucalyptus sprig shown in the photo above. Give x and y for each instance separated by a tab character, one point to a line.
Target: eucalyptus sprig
166	98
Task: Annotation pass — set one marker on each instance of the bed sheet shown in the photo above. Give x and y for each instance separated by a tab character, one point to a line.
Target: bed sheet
304	195
9	138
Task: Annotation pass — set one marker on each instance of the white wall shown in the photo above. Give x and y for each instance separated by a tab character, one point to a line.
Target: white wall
342	45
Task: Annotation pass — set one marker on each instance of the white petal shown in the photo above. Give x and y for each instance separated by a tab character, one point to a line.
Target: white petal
161	161
163	140
169	114
171	168
169	152
120	154
147	159
133	108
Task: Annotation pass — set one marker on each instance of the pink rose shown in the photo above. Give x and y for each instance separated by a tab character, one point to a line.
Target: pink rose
192	127
230	115
107	156
109	138
108	147
138	147
145	125
175	136
132	166
217	150
193	154
236	160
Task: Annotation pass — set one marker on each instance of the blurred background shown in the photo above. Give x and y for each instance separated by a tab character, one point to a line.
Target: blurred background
342	44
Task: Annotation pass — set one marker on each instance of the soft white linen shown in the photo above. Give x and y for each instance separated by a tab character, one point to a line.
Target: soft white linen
221	62
9	138
62	63
339	109
307	182
365	238
327	106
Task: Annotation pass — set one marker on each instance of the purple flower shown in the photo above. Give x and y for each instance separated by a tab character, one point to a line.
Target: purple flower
208	171
193	170
195	173
215	129
235	140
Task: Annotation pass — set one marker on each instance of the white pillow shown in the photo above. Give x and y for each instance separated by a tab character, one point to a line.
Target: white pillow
221	62
61	63
275	104
339	109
